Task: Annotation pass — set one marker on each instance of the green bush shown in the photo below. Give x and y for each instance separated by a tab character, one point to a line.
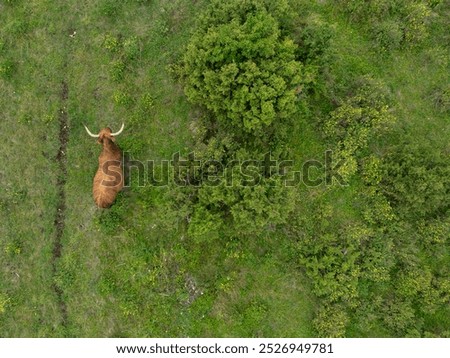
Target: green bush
416	180
109	221
441	99
356	121
124	53
204	226
131	48
388	34
253	209
400	317
240	66
234	191
392	23
331	321
111	43
117	70
416	16
314	40
332	261
4	301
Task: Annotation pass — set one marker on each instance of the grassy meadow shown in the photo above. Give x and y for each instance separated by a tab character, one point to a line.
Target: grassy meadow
123	271
69	269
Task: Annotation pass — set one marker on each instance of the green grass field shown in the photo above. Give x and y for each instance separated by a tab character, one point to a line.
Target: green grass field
123	271
69	269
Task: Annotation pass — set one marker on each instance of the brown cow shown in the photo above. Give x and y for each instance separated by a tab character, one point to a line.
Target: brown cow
108	180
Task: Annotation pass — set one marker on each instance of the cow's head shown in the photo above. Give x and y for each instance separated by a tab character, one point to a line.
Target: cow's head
105	133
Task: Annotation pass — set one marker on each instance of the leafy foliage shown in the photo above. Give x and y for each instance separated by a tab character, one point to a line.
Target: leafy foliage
416	180
331	321
232	188
356	121
240	66
392	23
337	259
314	40
4	301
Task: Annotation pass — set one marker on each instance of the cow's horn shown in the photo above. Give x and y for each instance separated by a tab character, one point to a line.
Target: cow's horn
89	132
120	130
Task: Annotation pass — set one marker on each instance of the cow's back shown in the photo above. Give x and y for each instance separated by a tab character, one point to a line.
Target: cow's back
108	180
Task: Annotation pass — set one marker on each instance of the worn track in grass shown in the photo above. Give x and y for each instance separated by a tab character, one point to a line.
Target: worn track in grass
59	222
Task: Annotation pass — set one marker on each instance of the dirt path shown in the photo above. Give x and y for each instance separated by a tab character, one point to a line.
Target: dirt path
59	222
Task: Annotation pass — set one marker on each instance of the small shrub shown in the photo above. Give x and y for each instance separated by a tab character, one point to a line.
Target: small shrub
26	118
416	180
331	321
204	226
399	316
112	219
13	248
111	43
388	35
241	67
359	119
123	99
392	23
117	70
144	107
441	99
416	18
314	40
48	118
131	48
146	102
162	27
4	301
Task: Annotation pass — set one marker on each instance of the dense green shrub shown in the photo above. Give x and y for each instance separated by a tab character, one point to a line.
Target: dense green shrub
252	208
399	316
388	34
221	12
356	121
240	66
416	180
392	23
441	98
314	40
331	321
335	259
404	200
233	189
